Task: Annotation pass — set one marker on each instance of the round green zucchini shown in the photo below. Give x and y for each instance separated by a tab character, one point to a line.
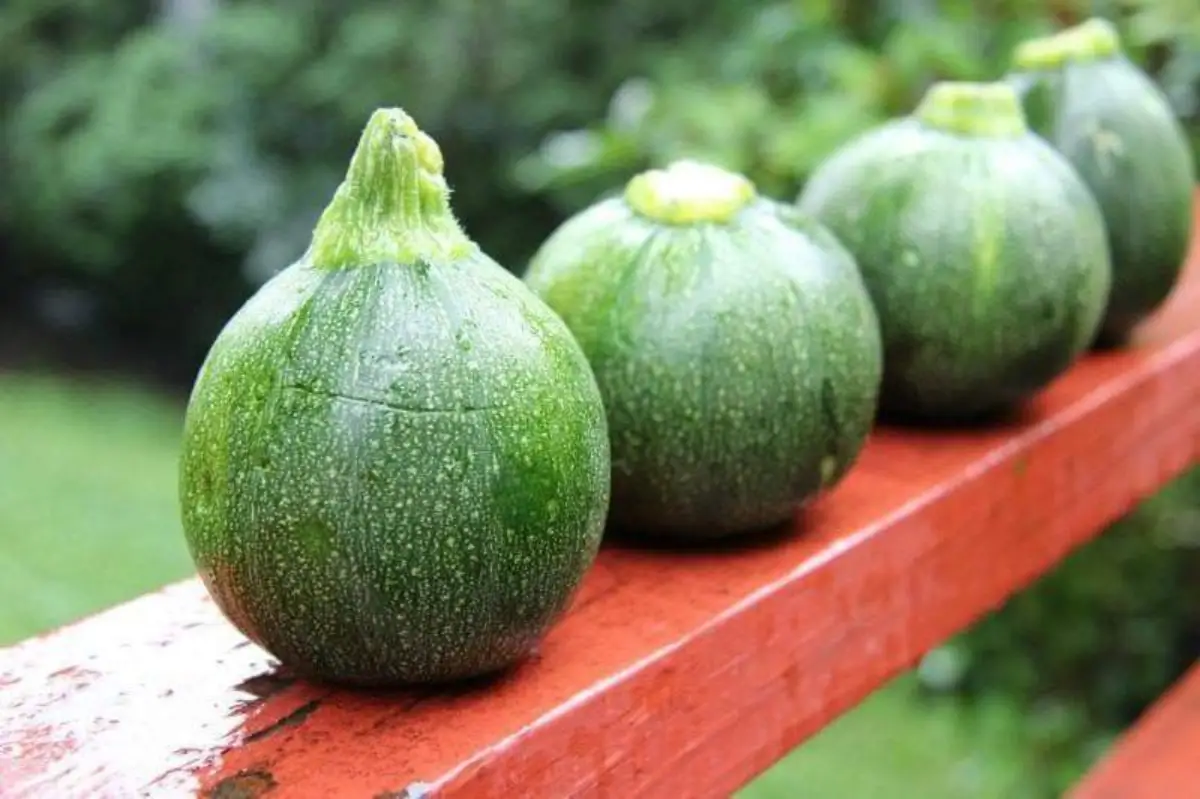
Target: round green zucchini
734	344
395	463
983	251
1117	129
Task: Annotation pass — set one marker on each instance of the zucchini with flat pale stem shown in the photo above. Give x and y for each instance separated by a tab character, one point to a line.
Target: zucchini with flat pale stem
983	251
734	343
395	462
1117	129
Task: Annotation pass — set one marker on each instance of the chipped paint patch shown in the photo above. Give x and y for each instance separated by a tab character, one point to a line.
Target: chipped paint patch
249	784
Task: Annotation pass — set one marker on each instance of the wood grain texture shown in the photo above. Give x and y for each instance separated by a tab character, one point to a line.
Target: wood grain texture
1159	757
674	674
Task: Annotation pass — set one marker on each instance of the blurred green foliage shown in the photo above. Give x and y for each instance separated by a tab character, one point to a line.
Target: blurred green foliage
165	156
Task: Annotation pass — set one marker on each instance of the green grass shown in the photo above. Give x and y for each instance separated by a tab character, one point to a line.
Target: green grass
900	745
88	513
88	518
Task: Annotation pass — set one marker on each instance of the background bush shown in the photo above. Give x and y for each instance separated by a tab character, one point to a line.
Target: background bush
160	158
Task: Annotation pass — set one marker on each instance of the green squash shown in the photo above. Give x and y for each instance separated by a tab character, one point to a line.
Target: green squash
734	343
395	462
983	251
1117	129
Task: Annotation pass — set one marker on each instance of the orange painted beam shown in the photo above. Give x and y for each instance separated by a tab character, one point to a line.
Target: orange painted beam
674	674
1159	757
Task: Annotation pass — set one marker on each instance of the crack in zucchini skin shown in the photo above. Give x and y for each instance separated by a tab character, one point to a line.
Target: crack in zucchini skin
739	359
985	256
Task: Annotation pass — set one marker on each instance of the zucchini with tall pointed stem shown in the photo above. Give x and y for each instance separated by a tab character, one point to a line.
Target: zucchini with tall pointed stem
984	252
1117	129
395	462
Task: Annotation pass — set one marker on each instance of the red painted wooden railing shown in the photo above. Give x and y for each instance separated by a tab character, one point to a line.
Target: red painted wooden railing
674	674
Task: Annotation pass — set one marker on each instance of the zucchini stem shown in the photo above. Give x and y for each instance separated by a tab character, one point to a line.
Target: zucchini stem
689	192
394	204
972	109
1092	40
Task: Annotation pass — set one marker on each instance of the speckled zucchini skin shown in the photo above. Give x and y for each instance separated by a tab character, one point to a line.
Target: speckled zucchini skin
739	361
394	472
985	257
1116	128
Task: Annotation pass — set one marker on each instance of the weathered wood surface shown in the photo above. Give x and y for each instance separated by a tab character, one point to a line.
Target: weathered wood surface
673	674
